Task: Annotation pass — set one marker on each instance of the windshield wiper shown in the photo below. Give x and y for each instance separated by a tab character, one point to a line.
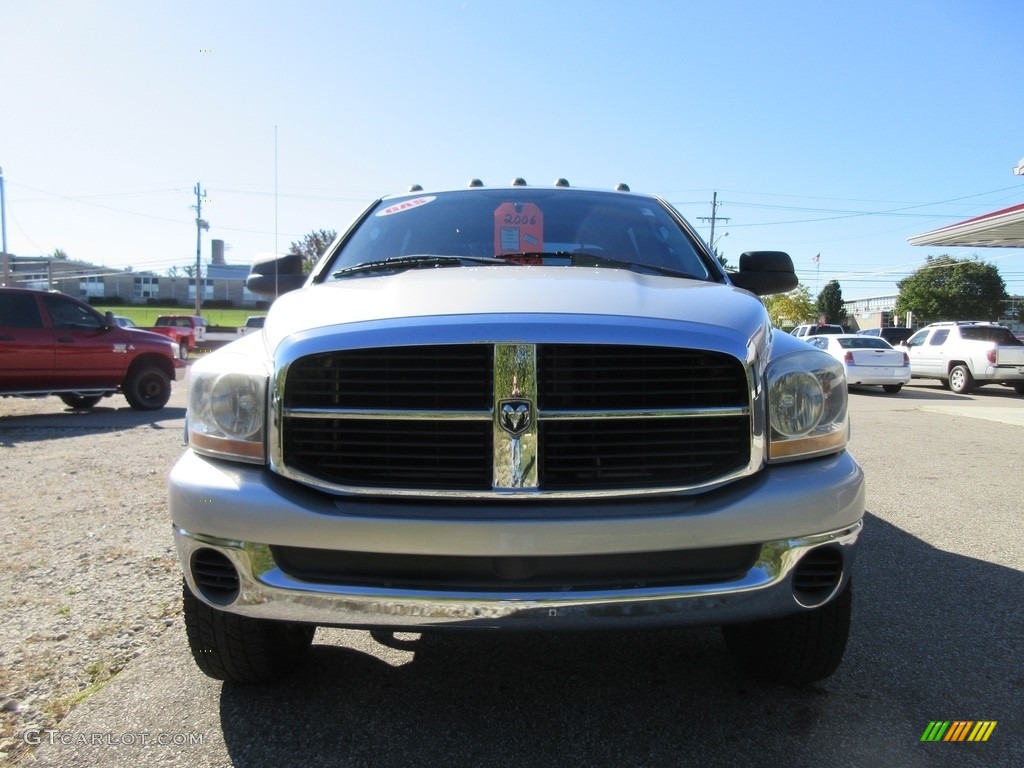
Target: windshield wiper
584	259
416	260
587	259
575	258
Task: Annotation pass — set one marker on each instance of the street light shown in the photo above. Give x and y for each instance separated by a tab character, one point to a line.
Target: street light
714	246
1019	169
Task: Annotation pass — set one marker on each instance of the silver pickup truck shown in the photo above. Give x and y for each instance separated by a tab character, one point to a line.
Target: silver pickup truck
967	354
540	408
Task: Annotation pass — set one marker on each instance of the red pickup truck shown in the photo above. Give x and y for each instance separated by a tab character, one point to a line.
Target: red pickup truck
51	344
186	331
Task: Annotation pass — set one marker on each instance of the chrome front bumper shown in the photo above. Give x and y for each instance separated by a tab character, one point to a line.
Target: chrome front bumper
765	591
789	510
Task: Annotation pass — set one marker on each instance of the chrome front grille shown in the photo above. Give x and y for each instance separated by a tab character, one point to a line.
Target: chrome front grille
515	419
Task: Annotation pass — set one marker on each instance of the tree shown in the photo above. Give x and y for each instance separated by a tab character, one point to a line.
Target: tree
793	308
59	254
312	247
830	303
946	288
174	272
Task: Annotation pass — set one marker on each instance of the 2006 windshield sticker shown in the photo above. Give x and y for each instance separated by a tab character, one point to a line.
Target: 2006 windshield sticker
406	205
518	228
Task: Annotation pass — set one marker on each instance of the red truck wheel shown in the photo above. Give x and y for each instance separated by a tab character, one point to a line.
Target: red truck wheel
147	388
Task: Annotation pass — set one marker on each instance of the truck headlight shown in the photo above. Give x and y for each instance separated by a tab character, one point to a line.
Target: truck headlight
807	406
227	406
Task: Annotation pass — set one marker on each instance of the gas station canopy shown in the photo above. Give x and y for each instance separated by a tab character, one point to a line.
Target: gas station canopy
999	229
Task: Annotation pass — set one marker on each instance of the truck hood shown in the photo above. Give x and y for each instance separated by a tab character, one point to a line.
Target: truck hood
146	336
511	290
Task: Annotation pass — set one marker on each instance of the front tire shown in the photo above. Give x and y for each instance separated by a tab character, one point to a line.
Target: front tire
240	649
796	650
960	379
147	388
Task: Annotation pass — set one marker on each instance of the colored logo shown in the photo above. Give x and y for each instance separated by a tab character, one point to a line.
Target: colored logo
958	730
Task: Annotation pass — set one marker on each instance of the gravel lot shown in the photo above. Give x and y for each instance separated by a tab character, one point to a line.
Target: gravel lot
90	574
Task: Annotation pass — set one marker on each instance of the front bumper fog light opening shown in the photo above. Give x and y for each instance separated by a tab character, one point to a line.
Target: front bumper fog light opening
817	576
215	577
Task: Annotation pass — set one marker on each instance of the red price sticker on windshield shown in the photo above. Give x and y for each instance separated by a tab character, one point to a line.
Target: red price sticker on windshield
518	228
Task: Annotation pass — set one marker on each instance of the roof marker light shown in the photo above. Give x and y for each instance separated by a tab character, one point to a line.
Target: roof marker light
561	183
518	181
620	187
475	183
415	188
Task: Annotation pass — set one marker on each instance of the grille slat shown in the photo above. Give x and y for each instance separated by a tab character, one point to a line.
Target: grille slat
593	376
576	454
428	377
398	454
642	452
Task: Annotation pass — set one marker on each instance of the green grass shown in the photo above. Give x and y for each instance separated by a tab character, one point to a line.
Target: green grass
145	317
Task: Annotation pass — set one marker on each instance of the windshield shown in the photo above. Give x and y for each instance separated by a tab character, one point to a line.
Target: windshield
864	342
528	226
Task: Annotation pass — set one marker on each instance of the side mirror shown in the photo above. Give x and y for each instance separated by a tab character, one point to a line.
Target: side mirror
274	275
765	272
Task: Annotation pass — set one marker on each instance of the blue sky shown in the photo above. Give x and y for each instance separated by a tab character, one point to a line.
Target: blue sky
837	129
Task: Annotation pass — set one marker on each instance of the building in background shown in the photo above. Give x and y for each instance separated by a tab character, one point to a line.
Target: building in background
224	283
871	312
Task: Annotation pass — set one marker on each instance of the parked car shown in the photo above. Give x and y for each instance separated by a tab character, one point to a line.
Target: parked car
51	344
967	354
187	331
252	323
125	322
803	331
518	408
893	335
868	360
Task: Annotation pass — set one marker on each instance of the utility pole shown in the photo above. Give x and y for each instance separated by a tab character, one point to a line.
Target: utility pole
713	218
3	227
200	226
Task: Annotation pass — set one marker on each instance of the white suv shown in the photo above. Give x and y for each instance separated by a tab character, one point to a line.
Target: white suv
967	354
803	331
